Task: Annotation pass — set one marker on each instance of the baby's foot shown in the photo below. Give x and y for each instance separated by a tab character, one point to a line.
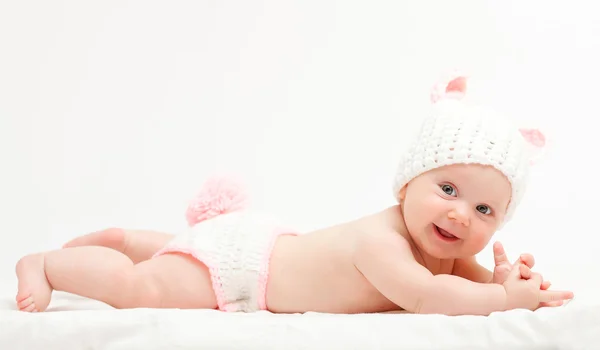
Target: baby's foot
111	238
34	288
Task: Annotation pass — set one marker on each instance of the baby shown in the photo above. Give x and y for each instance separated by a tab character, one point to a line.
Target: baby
458	183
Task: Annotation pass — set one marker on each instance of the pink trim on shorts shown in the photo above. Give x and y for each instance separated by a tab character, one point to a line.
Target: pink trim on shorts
263	277
213	271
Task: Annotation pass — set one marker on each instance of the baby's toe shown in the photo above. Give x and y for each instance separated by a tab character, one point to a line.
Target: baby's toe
24	300
29	308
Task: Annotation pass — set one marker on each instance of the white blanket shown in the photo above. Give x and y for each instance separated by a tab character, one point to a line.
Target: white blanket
78	323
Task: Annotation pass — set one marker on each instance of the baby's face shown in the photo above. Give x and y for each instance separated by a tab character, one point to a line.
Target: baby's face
453	211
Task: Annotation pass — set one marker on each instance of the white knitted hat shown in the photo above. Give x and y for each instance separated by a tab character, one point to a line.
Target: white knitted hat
459	133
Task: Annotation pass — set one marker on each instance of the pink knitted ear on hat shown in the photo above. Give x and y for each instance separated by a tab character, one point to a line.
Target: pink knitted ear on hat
538	140
455	86
534	137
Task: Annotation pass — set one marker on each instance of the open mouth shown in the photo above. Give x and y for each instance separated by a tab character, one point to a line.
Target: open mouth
444	235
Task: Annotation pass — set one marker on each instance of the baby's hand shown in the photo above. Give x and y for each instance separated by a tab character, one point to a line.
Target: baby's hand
503	267
523	290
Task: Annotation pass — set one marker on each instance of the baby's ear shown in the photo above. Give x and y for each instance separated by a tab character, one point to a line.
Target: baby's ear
453	86
402	193
538	140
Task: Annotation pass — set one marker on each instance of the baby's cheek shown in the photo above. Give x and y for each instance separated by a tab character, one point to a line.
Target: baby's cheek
481	238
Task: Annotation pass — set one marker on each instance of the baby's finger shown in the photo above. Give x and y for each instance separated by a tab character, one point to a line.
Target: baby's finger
545	285
552	303
524	271
537	279
528	260
547	296
499	254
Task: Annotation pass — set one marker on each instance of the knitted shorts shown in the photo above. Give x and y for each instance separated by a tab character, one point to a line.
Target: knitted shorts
236	247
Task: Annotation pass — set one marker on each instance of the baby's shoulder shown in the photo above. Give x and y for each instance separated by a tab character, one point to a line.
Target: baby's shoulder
387	224
381	237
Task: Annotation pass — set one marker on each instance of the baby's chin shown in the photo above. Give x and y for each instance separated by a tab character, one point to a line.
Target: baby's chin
444	250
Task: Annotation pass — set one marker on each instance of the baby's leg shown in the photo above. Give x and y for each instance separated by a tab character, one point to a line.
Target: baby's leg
138	245
104	274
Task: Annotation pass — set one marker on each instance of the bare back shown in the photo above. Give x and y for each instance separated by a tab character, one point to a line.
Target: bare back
315	271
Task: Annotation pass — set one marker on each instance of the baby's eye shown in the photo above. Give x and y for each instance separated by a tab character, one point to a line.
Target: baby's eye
484	209
449	190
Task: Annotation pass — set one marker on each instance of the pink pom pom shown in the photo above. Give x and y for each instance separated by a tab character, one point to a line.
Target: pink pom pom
219	195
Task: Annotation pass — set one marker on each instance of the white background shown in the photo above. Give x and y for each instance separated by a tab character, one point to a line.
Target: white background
113	113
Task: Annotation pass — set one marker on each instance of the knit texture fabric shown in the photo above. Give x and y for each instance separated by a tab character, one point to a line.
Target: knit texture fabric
236	247
459	133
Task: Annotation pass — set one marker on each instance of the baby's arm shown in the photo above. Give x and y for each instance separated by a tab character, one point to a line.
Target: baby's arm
470	269
387	262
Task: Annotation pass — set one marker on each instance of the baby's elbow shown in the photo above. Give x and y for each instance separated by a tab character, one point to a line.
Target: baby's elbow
427	299
418	298
418	306
427	306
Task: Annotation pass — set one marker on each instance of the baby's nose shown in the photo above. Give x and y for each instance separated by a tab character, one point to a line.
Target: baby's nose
460	214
